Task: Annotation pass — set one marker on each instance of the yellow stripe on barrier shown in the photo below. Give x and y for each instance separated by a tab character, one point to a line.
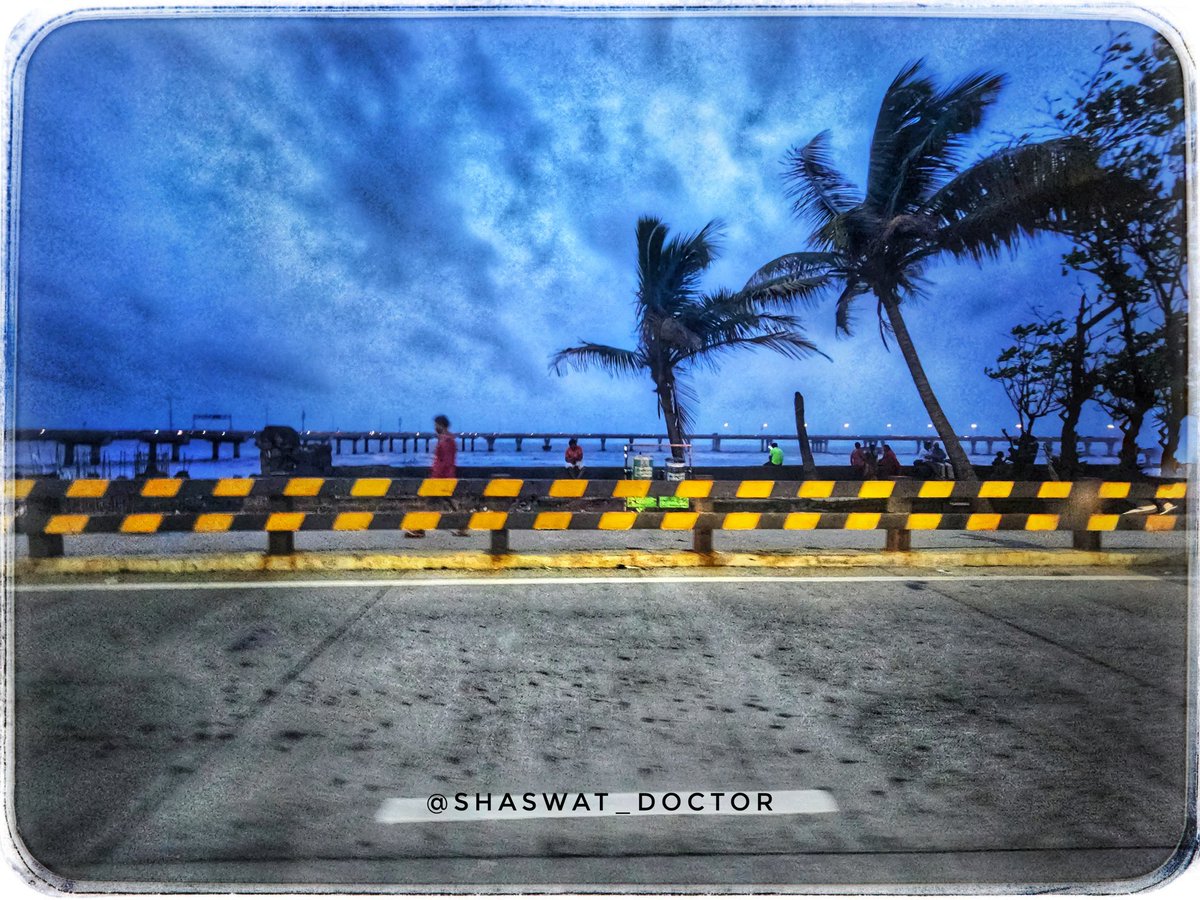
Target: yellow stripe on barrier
162	487
1054	490
631	488
285	521
552	521
141	523
1171	491
370	487
1160	523
437	487
87	487
801	521
861	521
1041	522
755	490
568	487
303	487
741	521
233	487
815	490
936	490
923	521
488	521
22	488
63	524
1114	490
876	490
617	521
213	522
995	489
679	521
693	488
1102	522
353	521
503	487
983	521
420	521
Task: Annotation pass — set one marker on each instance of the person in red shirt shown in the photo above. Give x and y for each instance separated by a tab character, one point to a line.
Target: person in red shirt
445	455
858	460
445	464
574	457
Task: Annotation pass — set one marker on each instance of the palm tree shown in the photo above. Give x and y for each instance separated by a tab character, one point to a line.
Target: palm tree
678	327
920	205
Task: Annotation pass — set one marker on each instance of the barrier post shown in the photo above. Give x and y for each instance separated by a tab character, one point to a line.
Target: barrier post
281	543
1084	501
898	539
42	545
498	545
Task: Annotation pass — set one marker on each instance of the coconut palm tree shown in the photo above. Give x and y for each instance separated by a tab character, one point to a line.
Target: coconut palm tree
921	205
679	328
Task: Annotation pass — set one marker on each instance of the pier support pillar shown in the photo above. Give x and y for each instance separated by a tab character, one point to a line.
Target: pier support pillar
519	440
545	443
68	454
216	450
491	442
94	454
175	452
152	462
237	449
603	441
716	443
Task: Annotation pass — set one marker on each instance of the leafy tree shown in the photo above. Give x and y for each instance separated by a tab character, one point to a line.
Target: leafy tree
921	205
1132	110
679	328
1029	370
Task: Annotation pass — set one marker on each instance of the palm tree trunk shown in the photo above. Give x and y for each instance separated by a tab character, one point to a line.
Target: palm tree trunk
958	457
670	411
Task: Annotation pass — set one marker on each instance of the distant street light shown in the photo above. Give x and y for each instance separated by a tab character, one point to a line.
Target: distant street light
1110	425
973	425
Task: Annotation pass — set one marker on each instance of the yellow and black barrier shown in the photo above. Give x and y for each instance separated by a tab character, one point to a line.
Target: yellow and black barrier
184	489
49	509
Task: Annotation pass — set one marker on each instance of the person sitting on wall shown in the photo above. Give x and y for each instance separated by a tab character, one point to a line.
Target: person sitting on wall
774	455
889	463
574	458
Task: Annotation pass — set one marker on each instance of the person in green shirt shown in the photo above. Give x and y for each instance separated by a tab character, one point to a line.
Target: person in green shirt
774	455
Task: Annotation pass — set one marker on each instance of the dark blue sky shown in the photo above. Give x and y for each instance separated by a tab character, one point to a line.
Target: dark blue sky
381	218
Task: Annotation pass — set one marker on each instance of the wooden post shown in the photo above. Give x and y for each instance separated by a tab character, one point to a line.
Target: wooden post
806	454
702	540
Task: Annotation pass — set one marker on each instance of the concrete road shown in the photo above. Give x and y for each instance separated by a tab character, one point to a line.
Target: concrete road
968	727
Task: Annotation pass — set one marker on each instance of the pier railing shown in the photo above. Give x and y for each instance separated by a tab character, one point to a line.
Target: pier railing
48	510
355	442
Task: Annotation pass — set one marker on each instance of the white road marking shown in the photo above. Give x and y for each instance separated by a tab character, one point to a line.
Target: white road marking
501	579
469	806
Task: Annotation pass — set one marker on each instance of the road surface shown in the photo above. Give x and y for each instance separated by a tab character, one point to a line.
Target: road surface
963	727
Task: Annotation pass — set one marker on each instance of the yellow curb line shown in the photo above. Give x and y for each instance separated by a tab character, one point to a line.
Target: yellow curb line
679	559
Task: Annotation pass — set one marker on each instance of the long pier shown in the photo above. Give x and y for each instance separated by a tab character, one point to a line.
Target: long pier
486	441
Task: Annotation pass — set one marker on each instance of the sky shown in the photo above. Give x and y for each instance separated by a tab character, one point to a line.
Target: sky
375	220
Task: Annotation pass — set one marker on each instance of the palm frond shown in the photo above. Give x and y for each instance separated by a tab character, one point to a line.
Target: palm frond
1019	191
843	309
818	191
805	265
613	360
899	117
929	147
